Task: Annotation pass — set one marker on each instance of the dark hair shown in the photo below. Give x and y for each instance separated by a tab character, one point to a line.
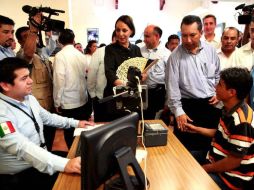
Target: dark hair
102	45
231	28
173	36
138	41
6	20
66	37
208	16
190	19
7	68
77	44
126	19
157	30
19	31
113	35
89	45
238	79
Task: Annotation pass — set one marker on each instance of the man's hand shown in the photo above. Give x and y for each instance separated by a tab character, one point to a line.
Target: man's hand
37	18
73	166
213	100
200	130
83	124
182	120
58	110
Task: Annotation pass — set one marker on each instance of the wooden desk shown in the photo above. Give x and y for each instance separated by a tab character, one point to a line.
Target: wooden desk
169	167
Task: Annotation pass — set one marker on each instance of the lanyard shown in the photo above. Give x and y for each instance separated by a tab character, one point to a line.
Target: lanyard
37	128
4	52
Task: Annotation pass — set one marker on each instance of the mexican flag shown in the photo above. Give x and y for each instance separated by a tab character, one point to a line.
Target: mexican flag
6	128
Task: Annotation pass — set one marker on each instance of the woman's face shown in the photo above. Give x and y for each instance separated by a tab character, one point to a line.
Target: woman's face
123	33
93	48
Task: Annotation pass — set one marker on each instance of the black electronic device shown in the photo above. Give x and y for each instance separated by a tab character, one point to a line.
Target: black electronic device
131	100
128	97
246	15
47	23
108	150
132	75
155	135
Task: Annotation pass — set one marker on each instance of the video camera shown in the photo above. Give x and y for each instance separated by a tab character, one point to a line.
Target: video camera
47	24
246	15
130	97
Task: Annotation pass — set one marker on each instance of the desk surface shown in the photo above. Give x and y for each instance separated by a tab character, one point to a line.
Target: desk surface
168	167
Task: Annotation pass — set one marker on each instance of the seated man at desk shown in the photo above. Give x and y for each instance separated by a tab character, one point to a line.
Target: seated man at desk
230	159
25	162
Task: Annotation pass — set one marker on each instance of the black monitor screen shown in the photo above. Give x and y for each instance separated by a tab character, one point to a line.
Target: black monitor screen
98	147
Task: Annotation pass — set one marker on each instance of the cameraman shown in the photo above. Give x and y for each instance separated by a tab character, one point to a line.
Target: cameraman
41	72
245	18
246	54
247	50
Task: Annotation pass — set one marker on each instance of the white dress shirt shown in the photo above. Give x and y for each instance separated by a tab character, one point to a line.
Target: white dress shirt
247	56
96	79
216	42
156	74
232	61
69	78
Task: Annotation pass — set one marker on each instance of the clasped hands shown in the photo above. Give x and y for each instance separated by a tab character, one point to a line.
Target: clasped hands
184	121
181	121
184	124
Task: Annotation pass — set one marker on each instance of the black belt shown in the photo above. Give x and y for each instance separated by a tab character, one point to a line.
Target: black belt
158	87
196	99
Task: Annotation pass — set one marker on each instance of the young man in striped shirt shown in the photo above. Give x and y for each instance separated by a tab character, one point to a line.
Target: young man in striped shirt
231	157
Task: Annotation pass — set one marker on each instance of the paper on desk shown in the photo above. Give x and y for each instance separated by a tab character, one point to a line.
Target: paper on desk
78	131
140	155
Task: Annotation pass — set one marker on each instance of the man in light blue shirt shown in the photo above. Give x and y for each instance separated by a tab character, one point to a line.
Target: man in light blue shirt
6	37
192	73
24	161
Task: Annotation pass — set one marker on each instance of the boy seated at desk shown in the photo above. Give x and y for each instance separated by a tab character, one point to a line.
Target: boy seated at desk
231	156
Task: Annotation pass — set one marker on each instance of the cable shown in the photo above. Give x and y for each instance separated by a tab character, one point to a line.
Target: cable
143	126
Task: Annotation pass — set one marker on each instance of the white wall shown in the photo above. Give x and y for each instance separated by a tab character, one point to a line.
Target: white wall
102	14
82	14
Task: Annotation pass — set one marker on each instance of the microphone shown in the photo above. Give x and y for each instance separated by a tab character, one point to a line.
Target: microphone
49	10
27	9
33	10
240	6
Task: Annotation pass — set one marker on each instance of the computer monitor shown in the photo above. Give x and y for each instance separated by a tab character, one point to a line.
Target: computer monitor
108	150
